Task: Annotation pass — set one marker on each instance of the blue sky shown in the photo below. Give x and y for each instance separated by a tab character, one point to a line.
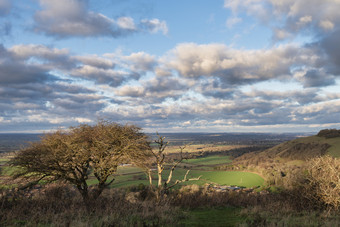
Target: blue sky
170	66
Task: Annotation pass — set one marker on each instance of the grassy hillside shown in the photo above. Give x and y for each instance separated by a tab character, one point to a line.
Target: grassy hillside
282	162
298	149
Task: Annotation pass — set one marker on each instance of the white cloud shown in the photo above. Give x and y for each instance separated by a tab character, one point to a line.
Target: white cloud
326	25
233	21
140	61
83	120
126	23
155	25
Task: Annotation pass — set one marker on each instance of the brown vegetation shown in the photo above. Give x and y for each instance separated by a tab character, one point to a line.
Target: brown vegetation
319	182
73	155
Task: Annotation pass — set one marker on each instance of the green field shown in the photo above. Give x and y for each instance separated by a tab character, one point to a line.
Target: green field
209	160
203	167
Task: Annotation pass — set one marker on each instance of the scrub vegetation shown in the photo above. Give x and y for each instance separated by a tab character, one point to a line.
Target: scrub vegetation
114	175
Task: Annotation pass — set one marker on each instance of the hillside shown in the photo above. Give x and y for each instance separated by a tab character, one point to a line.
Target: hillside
297	149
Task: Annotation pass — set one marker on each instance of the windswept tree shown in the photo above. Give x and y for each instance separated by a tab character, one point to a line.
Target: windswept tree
79	152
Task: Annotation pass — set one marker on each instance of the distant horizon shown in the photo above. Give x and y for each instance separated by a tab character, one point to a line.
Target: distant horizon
41	133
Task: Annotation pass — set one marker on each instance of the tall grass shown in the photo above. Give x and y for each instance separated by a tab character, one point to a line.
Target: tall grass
61	205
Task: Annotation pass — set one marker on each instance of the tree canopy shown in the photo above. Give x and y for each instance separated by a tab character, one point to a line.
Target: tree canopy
75	154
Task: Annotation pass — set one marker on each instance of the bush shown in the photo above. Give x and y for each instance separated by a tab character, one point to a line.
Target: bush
319	182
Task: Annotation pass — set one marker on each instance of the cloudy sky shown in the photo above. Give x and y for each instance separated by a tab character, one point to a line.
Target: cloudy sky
170	66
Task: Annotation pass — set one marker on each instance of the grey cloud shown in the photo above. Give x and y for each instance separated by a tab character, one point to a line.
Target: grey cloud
160	84
306	96
77	104
330	44
72	89
110	77
14	71
315	78
32	92
154	90
214	88
47	56
95	61
62	19
20	74
319	113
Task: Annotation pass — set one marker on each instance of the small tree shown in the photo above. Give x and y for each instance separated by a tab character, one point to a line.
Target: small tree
74	155
160	158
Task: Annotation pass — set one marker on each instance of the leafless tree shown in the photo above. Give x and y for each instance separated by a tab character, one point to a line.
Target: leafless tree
160	160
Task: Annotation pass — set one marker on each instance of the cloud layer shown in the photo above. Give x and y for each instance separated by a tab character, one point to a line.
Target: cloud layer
54	19
191	87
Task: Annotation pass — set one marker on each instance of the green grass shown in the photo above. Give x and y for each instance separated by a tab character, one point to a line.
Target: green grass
226	216
238	178
3	160
209	160
7	170
128	169
334	150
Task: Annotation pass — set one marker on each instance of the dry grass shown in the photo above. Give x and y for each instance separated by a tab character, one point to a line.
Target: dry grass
60	205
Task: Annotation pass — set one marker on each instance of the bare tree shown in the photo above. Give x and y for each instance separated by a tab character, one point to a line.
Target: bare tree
74	155
160	160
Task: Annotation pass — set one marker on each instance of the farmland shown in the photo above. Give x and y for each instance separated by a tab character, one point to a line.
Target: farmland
213	200
204	167
209	151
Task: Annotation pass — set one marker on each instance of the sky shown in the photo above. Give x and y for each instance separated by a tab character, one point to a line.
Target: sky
170	66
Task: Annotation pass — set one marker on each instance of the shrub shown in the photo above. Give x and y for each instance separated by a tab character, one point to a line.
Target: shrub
319	182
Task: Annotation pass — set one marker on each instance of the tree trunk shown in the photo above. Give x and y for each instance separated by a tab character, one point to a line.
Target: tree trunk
150	177
159	170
